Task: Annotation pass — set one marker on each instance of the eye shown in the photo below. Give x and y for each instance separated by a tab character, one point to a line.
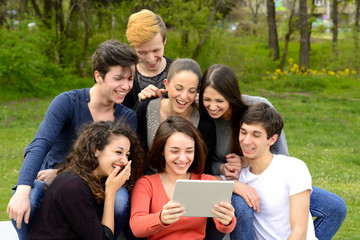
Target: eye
220	101
192	91
189	151
174	151
119	152
242	132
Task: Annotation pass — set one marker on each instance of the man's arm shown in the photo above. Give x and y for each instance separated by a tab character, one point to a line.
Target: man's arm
299	214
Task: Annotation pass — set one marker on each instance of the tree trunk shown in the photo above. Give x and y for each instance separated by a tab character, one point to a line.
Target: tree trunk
304	36
84	8
311	20
273	37
356	32
288	34
334	17
206	31
47	13
2	12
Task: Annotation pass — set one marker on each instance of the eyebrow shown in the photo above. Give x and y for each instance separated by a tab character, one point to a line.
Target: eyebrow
252	131
179	147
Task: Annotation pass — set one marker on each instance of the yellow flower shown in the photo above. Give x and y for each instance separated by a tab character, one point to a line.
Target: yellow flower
274	77
331	73
291	61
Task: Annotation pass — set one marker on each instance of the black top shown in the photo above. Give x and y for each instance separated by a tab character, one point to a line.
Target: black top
158	81
206	128
69	211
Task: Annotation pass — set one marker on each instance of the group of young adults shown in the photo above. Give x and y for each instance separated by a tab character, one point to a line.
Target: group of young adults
92	164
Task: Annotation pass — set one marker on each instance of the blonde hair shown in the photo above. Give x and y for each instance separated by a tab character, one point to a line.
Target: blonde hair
143	26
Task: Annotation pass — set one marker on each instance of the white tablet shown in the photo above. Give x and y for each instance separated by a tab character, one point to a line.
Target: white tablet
199	196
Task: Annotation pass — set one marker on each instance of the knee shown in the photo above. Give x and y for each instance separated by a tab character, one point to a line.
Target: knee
37	194
242	209
121	201
333	204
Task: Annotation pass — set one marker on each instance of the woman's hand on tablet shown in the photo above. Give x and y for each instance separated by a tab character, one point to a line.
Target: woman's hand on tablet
171	212
224	212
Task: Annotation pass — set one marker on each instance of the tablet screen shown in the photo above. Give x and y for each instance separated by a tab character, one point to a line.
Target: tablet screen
199	196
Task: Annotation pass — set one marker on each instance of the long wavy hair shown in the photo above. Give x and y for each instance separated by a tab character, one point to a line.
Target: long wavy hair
97	135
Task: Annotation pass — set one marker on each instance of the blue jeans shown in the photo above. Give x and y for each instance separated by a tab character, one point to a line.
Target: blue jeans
330	212
37	194
328	209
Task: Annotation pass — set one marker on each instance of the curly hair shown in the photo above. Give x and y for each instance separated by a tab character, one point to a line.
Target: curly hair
97	135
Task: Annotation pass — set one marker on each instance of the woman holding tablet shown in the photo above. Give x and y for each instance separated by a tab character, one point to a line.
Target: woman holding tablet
79	204
177	153
220	97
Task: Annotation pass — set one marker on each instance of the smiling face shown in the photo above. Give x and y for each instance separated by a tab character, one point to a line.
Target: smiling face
117	82
182	90
151	53
216	104
179	152
116	153
253	141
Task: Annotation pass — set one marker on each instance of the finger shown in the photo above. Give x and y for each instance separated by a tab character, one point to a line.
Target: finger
18	220
27	216
163	90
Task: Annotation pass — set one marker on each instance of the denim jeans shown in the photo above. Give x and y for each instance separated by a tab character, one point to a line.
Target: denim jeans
37	194
330	212
328	209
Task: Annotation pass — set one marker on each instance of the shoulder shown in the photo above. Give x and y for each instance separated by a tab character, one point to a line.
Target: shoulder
147	182
69	184
293	166
168	61
251	100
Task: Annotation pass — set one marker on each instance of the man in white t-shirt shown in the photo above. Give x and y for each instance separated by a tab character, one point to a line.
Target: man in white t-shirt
282	183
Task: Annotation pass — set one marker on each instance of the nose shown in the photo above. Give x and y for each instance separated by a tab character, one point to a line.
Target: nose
184	95
247	139
127	85
182	156
212	106
150	57
124	160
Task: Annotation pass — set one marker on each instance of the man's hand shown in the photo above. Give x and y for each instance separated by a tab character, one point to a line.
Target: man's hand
47	175
19	205
249	194
150	91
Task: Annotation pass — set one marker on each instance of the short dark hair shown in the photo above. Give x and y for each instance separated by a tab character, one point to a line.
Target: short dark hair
171	125
222	78
96	136
266	115
113	53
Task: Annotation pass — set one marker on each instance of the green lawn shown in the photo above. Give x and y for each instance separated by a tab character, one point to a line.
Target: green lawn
322	131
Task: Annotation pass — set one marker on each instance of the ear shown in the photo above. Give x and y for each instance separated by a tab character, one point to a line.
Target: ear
97	76
273	139
166	84
97	152
165	41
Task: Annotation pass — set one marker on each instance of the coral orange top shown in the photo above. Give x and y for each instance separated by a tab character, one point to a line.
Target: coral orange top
147	200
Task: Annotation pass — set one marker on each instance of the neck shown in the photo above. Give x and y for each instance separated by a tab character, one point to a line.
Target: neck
151	73
167	110
259	165
97	101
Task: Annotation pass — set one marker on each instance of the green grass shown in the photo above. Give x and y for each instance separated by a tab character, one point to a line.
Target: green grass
322	131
